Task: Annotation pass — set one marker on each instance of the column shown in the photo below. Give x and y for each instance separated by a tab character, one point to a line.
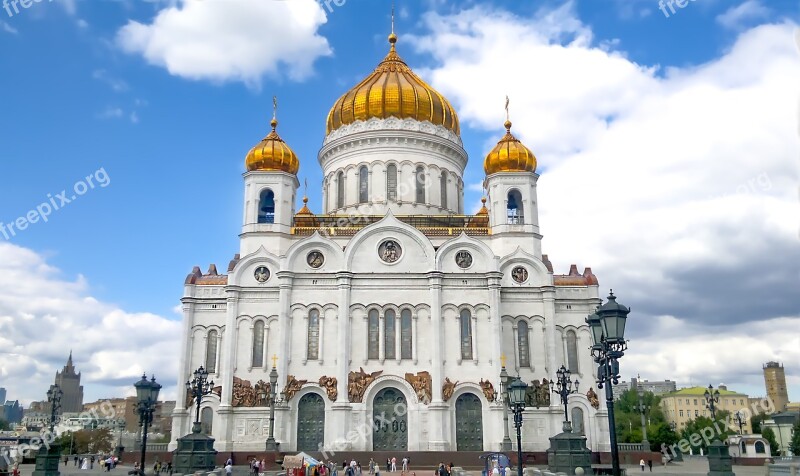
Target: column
366	326
475	337
180	424
515	334
496	321
321	338
550	330
414	337
437	409
226	369
343	365
381	337
397	336
284	327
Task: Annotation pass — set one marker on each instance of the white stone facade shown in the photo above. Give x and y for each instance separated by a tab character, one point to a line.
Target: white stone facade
421	283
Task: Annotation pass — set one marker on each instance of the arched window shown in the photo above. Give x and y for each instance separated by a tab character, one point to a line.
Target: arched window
340	190
207	420
420	177
313	335
211	352
443	186
577	421
760	448
405	334
388	334
522	344
391	182
258	344
465	321
266	207
514	208
363	184
572	351
374	335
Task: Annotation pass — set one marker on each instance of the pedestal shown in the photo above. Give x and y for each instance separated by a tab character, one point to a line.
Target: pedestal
47	460
195	452
720	462
567	452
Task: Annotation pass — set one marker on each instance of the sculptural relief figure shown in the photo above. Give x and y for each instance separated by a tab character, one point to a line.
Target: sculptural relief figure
329	384
292	387
532	394
244	395
488	390
447	389
544	393
593	399
357	383
422	385
263	396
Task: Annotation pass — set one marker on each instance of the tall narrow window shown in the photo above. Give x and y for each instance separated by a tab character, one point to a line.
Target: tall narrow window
514	208
258	344
572	351
406	342
466	335
388	335
211	352
460	193
522	341
266	207
420	177
443	186
313	335
374	335
391	182
340	190
207	420
363	184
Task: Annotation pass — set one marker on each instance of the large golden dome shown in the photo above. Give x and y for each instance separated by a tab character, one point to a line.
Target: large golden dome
393	90
509	155
272	154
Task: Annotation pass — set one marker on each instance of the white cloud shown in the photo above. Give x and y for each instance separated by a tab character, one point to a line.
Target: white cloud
8	28
736	17
44	315
115	84
111	113
231	40
678	185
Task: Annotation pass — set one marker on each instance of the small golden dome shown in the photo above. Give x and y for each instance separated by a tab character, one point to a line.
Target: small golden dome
509	155
304	217
272	154
393	90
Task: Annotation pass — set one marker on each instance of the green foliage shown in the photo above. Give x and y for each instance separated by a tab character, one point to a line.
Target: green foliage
87	442
701	426
4	426
755	422
769	435
794	446
629	420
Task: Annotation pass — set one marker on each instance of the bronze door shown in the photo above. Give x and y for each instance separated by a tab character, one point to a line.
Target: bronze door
469	423
310	423
390	421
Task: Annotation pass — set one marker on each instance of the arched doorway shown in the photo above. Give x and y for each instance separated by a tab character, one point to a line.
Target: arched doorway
469	423
310	423
389	421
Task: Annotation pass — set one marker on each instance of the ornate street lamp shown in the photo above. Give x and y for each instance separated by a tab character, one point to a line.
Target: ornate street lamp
273	390
505	380
643	409
720	462
198	387
563	386
712	398
739	419
516	400
607	326
49	455
54	398
146	400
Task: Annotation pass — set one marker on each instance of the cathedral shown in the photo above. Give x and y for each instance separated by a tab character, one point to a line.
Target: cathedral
389	315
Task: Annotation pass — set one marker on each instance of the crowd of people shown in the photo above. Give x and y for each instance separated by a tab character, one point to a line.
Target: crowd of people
107	462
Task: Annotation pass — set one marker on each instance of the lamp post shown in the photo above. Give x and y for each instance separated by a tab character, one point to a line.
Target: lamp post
563	386
273	390
146	399
505	379
198	387
49	455
607	325
643	409
120	448
54	398
516	400
739	419
712	398
720	462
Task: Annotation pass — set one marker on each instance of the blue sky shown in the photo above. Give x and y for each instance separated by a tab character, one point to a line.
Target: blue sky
110	85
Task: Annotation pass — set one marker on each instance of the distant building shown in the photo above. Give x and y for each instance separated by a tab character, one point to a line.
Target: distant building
2	394
11	411
748	446
775	381
689	403
70	384
35	419
660	387
117	409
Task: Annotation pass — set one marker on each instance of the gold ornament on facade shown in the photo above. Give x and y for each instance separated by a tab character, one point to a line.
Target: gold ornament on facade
448	388
593	398
393	90
357	383
509	155
244	394
488	390
329	384
422	385
272	153
538	394
292	387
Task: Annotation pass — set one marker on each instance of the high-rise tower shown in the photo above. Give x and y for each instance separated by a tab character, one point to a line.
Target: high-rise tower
70	383
775	381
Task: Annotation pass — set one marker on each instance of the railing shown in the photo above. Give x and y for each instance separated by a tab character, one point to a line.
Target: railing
430	225
630	447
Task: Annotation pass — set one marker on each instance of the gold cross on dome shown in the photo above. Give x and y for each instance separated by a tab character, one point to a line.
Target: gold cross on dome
503	360
274	360
507	115
274	107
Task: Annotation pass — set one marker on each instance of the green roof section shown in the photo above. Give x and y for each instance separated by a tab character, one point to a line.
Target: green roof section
699	391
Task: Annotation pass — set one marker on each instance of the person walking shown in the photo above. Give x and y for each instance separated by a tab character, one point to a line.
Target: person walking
641	463
650	465
76	460
66	460
228	467
394	464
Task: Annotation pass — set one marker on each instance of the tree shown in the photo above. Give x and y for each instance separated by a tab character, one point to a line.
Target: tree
755	422
794	446
701	426
769	435
629	419
4	426
87	441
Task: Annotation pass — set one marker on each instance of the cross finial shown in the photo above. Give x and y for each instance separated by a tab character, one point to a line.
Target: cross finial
507	102
274	122
274	360
503	360
392	16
